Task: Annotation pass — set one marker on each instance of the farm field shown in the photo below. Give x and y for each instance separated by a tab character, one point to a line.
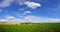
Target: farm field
42	27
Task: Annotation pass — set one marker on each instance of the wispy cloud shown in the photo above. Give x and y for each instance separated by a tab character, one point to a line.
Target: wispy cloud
33	19
6	3
27	12
10	17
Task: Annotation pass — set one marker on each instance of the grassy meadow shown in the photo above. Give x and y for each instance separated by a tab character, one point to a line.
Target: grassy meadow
42	27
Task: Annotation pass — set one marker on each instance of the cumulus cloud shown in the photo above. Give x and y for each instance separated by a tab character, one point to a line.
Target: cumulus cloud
6	3
29	4
32	5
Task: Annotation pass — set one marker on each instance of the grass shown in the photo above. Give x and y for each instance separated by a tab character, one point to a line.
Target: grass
47	27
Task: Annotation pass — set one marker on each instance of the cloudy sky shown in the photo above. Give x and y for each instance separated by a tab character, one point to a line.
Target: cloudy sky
32	10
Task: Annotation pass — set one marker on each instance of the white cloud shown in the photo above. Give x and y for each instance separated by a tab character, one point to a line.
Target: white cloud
6	3
35	19
32	5
10	17
21	3
2	20
27	12
29	4
32	19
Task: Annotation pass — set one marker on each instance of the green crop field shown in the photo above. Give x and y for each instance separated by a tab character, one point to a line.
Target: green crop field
47	27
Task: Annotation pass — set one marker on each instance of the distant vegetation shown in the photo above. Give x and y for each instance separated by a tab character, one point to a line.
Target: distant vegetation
47	27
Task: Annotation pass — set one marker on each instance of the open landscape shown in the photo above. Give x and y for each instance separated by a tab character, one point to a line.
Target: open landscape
29	15
37	27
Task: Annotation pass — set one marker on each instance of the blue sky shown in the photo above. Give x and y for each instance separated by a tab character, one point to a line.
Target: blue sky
26	8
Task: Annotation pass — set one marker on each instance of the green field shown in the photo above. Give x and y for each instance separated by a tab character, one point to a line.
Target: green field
47	27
